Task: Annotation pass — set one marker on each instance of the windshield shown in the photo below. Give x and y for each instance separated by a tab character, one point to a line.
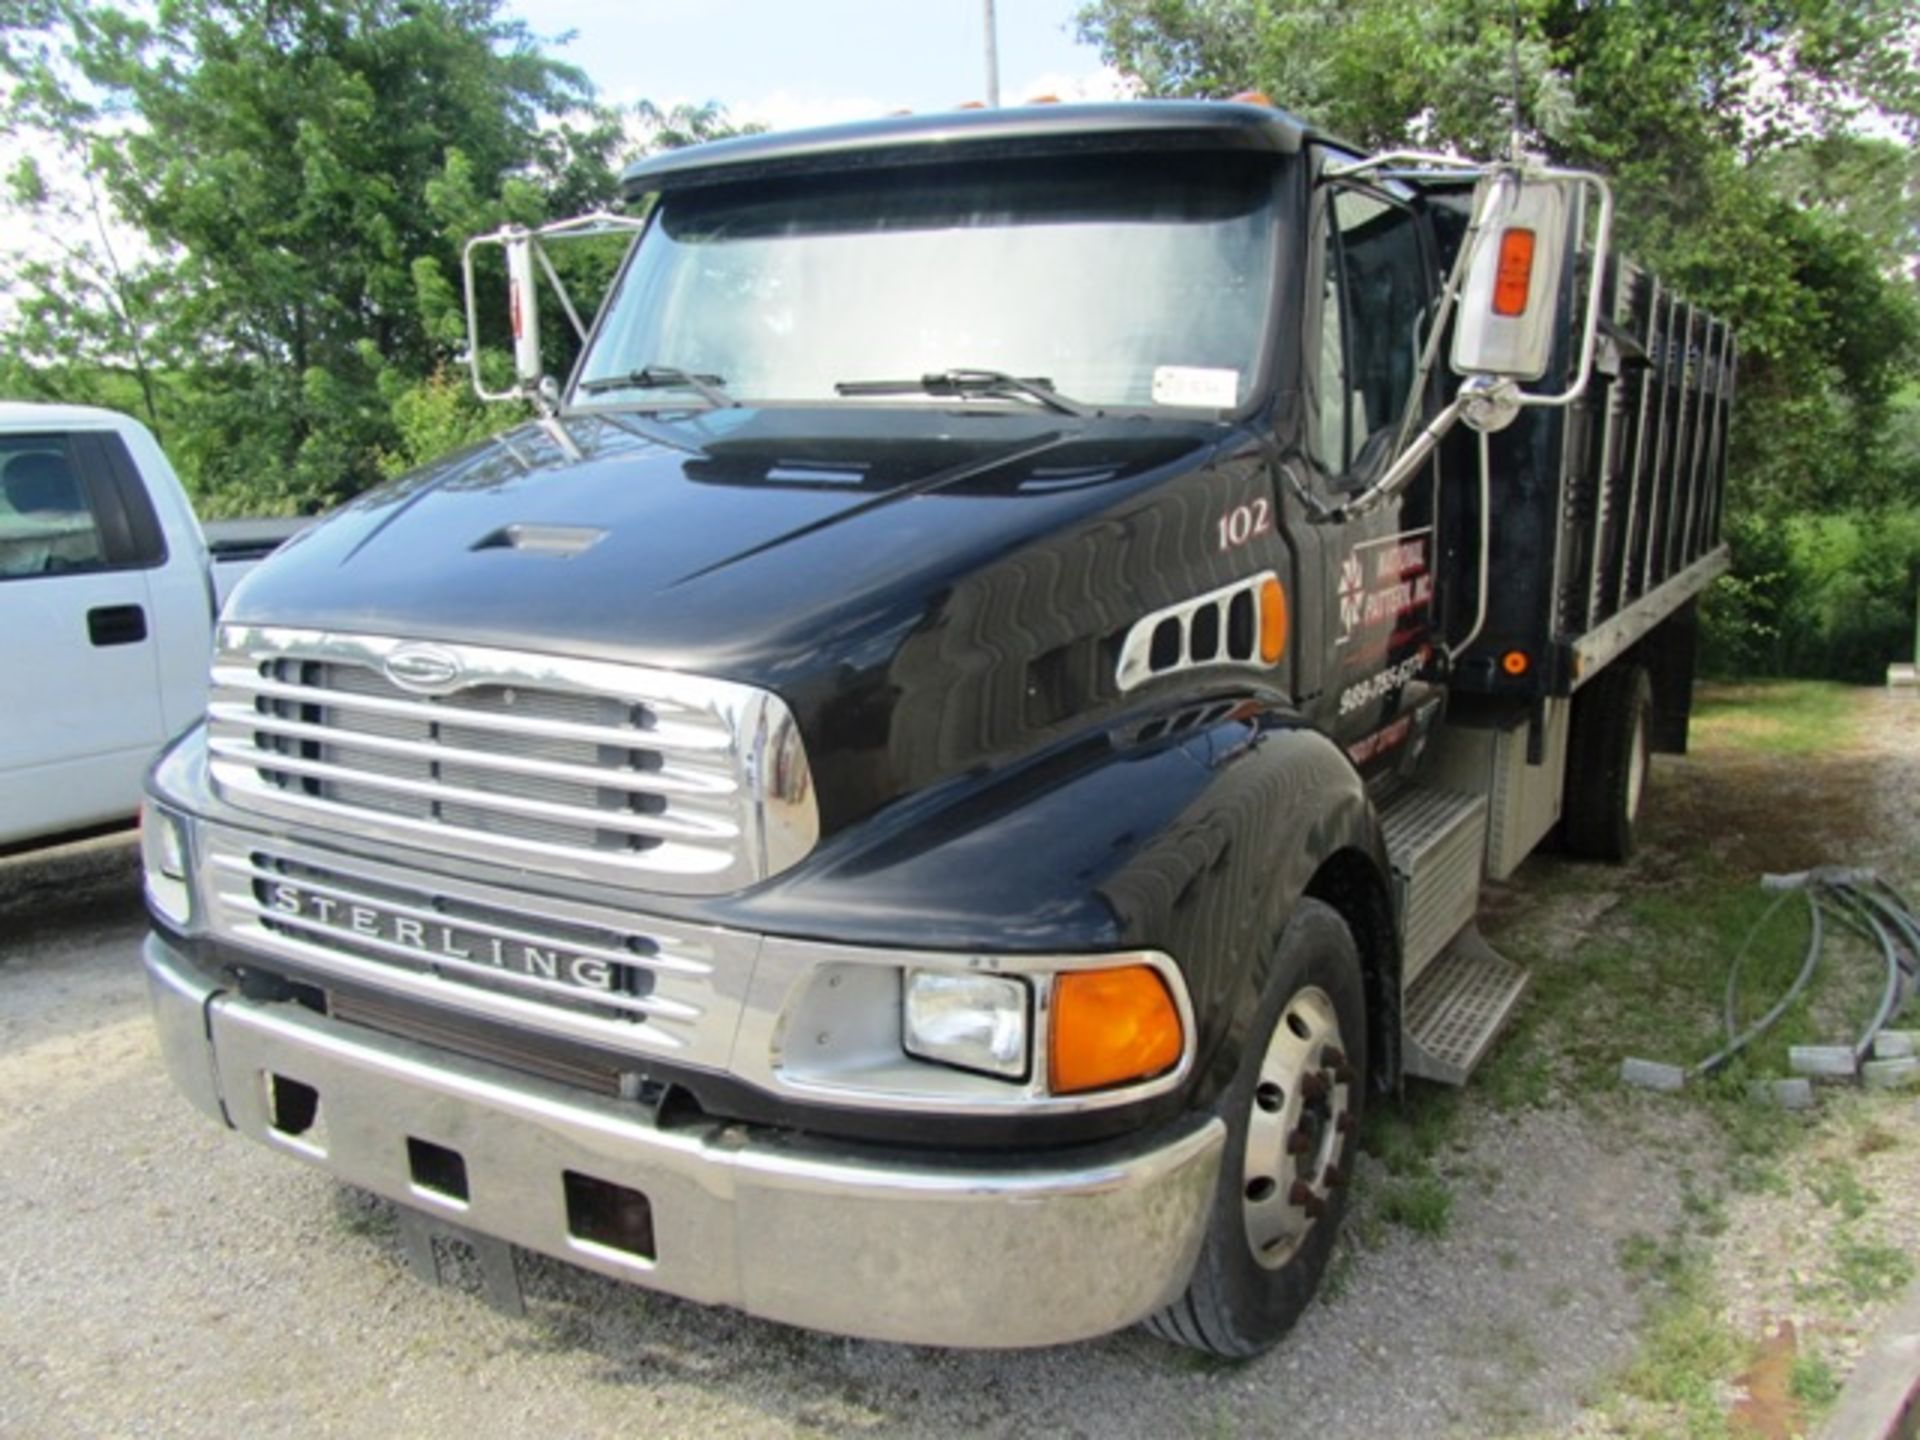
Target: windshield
1115	280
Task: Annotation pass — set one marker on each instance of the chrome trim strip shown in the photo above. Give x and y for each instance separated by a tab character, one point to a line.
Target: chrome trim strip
626	821
675	781
674	739
684	863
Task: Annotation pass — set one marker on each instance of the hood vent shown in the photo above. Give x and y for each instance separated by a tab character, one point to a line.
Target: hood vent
560	541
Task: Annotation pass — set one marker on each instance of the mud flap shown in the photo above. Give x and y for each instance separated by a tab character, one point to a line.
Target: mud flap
451	1256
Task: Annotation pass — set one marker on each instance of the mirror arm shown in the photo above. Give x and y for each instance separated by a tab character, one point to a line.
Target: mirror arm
1449	301
1406	465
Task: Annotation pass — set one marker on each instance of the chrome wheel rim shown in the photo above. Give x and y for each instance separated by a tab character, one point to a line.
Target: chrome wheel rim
1300	1116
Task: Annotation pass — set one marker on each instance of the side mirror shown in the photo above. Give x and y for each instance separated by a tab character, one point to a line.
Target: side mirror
527	261
1505	325
523	310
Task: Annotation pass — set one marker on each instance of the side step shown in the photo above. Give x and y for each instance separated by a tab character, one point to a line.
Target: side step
1457	1007
1437	846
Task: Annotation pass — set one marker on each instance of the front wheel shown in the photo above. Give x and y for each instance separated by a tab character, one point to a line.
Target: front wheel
1291	1115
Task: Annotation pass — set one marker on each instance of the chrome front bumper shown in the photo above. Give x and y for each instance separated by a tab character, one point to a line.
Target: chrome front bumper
1026	1251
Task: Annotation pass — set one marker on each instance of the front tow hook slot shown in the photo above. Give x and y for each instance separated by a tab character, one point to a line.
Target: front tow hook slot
437	1171
608	1217
293	1110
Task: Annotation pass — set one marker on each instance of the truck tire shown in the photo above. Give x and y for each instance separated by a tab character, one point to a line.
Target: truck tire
1608	752
1291	1115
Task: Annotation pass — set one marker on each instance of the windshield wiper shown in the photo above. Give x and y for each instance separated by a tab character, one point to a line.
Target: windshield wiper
663	377
969	382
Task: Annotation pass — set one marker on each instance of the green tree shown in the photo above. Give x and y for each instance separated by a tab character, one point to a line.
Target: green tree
1747	144
276	155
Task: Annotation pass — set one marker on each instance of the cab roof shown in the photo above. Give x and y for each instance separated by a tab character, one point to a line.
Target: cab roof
1132	125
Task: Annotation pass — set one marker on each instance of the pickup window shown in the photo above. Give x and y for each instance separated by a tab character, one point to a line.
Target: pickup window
73	502
1119	281
47	523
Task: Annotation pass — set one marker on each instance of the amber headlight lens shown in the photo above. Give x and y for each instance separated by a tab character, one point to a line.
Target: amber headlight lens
163	856
973	1022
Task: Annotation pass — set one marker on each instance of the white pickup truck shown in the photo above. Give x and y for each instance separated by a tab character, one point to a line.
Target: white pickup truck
108	594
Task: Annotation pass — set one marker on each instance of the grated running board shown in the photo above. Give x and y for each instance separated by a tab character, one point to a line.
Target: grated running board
1457	1008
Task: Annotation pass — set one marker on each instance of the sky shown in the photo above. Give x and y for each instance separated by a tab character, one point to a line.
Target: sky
787	63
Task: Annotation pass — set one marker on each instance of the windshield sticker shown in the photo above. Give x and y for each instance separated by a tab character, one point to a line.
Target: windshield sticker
1191	385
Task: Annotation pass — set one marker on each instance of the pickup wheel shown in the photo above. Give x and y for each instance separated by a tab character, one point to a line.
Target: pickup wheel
1291	1115
1608	752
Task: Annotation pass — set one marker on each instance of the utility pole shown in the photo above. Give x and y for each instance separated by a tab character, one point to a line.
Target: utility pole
993	60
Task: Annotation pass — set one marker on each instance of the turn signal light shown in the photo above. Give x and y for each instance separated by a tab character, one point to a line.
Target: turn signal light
1514	279
1514	662
1111	1026
1273	621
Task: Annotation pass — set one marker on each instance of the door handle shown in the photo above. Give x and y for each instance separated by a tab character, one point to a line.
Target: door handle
117	625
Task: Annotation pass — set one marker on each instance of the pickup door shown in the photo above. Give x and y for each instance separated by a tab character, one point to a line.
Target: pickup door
86	596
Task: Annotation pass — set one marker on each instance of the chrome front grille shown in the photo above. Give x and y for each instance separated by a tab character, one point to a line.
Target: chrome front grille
607	977
583	768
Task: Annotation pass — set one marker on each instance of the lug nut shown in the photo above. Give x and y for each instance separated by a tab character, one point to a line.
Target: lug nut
1347	1123
1313	1085
1333	1177
1335	1057
1302	1195
1299	1142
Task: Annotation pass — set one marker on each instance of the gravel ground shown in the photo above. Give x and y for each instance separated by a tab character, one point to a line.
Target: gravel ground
162	1277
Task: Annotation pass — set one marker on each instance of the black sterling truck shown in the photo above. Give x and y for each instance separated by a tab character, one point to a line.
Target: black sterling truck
924	792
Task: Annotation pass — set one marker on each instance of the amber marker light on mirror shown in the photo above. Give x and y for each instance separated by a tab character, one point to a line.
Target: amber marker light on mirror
1273	622
1110	1027
1514	278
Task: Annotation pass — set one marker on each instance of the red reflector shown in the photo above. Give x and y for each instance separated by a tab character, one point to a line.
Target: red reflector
1515	276
513	308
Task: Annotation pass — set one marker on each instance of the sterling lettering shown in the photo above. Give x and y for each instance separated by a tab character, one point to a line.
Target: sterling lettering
469	949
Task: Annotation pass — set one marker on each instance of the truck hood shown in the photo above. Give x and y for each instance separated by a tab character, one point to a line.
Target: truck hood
928	591
719	544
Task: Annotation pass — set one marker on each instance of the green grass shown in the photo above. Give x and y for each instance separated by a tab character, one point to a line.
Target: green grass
1779	717
1423	1205
1685	1347
1813	1383
1868	1270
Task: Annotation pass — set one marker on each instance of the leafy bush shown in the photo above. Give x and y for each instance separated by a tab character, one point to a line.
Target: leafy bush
1827	595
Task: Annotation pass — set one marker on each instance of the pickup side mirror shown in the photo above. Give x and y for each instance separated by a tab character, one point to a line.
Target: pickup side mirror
1509	304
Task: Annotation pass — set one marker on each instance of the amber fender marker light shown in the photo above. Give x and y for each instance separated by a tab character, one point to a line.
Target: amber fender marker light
1109	1027
1273	622
1514	662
